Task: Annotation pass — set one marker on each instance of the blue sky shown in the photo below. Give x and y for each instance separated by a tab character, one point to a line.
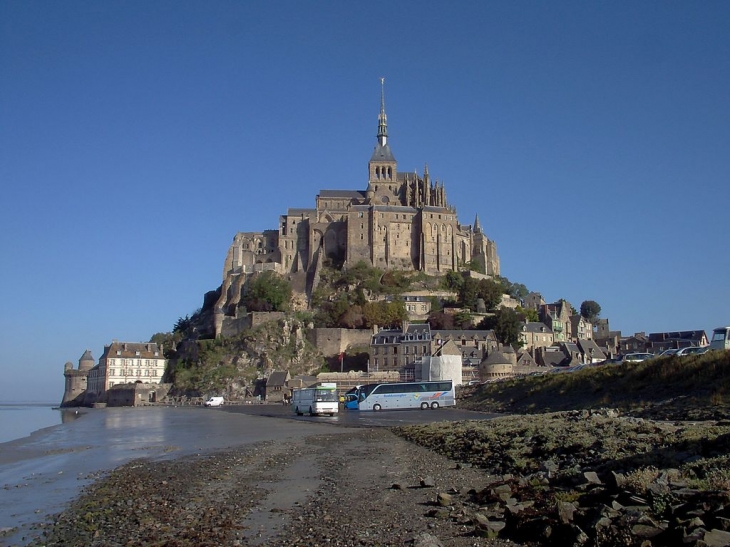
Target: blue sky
137	138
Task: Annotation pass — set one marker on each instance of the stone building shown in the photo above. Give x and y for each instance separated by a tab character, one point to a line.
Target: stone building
535	334
401	220
76	380
124	363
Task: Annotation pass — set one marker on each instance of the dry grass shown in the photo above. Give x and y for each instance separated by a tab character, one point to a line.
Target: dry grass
694	381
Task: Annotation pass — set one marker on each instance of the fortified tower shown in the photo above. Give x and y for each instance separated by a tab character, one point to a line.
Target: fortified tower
76	380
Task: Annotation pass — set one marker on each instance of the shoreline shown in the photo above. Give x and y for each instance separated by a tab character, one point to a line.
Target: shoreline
42	473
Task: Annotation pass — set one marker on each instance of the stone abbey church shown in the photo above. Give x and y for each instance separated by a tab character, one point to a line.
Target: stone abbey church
401	221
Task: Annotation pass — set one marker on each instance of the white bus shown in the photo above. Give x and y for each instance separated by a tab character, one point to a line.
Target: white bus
315	400
421	395
720	338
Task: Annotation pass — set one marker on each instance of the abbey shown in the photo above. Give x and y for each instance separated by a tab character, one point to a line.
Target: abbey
401	221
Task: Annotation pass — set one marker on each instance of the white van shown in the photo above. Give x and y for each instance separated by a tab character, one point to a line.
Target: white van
720	338
214	401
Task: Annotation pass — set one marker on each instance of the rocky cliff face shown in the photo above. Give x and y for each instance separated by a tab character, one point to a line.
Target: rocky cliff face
229	366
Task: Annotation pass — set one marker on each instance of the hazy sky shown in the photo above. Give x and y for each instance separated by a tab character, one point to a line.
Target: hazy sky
137	138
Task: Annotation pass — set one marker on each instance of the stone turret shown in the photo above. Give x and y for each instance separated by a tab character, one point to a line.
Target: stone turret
75	380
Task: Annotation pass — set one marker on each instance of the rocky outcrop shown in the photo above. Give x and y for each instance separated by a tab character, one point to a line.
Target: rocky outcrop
587	478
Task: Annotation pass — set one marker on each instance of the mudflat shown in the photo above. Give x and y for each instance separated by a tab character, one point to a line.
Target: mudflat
41	474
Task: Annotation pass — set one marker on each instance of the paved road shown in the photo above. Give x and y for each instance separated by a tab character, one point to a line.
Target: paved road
354	418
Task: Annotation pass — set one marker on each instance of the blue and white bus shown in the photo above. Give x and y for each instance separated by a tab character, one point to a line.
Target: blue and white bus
421	395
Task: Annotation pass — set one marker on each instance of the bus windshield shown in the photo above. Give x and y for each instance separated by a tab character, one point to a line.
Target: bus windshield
325	395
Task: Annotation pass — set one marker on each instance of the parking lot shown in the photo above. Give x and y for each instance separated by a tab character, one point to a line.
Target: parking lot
355	418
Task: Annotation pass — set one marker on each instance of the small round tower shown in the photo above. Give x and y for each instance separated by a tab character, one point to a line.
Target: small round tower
496	365
75	380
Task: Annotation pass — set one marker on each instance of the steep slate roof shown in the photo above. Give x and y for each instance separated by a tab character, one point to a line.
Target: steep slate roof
525	359
555	359
396	336
497	358
587	345
382	153
449	348
680	335
277	378
536	326
465	333
139	350
571	347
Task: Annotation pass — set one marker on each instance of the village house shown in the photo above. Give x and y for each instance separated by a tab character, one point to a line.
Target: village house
659	341
535	334
124	363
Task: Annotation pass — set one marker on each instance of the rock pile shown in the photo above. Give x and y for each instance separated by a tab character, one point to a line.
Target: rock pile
588	478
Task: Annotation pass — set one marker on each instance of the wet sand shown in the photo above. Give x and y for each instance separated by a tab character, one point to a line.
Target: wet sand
40	474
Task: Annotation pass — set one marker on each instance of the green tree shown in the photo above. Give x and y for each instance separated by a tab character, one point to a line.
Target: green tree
440	321
182	324
529	314
267	292
590	310
453	281
515	290
468	293
506	324
491	293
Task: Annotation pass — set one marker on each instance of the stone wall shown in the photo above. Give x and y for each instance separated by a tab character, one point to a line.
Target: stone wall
233	326
334	341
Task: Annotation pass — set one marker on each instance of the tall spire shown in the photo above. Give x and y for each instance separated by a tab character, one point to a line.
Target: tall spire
477	226
382	118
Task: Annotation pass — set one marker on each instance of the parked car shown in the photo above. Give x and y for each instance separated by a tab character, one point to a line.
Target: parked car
214	401
691	350
636	357
668	352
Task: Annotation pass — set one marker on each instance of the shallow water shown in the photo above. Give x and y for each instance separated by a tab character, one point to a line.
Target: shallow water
18	420
40	474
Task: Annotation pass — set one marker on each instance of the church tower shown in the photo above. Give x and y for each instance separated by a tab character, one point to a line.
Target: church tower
383	188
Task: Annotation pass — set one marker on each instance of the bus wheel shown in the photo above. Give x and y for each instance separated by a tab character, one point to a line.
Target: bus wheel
434	405
376	407
424	406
